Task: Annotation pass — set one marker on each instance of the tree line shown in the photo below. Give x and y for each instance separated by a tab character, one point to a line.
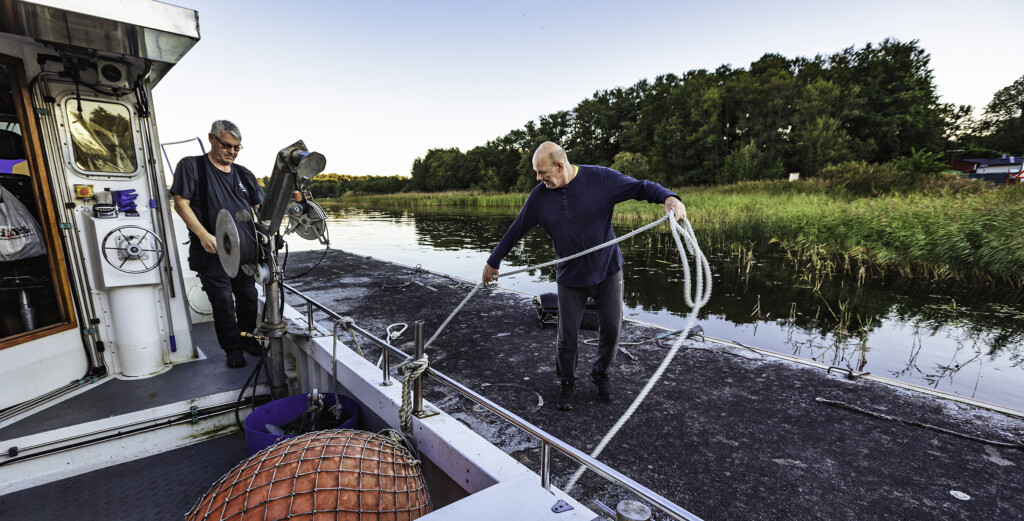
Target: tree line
874	104
335	185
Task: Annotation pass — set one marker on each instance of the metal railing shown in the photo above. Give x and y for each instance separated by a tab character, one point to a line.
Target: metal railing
547	440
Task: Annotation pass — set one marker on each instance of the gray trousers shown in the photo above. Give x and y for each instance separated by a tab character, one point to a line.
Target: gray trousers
571	302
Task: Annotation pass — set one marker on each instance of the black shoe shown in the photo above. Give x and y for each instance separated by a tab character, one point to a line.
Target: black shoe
565	395
604	385
235	359
253	347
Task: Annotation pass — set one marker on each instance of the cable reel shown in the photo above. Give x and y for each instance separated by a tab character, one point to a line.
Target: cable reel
307	219
132	249
236	243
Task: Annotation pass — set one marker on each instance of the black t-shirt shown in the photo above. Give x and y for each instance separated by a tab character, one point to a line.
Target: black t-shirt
233	191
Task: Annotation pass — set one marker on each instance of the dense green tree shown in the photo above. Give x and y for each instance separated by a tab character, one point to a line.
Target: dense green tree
897	103
635	165
1003	121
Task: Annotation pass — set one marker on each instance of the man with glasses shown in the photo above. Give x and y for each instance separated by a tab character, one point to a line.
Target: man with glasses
203	185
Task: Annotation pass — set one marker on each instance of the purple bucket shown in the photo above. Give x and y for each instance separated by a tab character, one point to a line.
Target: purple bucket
284	411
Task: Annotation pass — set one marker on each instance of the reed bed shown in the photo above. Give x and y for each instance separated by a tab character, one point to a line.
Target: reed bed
973	237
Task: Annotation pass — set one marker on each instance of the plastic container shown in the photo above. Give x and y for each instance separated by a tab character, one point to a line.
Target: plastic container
284	411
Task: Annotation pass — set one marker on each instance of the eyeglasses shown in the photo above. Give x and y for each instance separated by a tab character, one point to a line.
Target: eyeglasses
225	145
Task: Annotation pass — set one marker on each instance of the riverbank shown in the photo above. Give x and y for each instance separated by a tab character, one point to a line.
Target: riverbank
968	237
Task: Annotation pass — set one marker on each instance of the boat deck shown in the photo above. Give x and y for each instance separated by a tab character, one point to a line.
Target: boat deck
163	486
112	396
728	433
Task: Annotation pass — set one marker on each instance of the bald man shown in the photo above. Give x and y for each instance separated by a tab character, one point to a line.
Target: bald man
574	205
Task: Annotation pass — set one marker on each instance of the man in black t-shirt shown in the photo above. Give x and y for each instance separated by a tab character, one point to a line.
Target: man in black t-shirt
203	185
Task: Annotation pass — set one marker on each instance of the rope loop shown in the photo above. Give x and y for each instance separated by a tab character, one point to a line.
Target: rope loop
411	369
416	271
346	324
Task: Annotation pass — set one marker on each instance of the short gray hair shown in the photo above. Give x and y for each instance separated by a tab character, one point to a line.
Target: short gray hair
223	125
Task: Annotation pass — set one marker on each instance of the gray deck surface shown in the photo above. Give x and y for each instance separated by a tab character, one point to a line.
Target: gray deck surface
160	487
726	434
113	396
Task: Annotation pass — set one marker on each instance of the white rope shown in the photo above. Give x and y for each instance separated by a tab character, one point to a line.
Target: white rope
700	296
452	315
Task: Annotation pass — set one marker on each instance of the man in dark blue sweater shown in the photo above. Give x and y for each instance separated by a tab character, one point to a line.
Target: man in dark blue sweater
574	206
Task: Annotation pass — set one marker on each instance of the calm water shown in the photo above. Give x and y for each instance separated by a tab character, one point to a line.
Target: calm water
964	342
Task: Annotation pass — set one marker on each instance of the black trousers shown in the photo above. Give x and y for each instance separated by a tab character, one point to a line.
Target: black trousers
571	302
234	300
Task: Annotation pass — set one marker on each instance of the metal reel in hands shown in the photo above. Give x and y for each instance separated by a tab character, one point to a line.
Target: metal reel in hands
236	243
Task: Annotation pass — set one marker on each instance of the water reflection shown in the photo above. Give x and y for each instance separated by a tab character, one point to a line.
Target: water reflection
966	342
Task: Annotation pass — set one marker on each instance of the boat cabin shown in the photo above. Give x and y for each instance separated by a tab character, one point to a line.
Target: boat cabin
94	287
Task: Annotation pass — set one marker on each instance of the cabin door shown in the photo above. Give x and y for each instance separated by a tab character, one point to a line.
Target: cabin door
41	347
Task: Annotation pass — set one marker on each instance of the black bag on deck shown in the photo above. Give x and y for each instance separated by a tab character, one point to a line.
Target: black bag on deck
547	311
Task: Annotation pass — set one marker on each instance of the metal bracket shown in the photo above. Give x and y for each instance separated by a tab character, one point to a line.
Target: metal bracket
88	331
561	506
195	414
428	411
64	226
301	331
43	111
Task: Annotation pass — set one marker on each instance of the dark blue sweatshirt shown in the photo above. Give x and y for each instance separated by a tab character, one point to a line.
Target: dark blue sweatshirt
578	216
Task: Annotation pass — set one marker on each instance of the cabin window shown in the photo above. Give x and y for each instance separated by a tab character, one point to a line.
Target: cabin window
101	136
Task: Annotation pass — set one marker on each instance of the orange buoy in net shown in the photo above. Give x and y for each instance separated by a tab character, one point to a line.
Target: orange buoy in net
343	475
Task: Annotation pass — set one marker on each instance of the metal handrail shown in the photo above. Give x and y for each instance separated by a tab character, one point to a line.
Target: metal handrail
666	506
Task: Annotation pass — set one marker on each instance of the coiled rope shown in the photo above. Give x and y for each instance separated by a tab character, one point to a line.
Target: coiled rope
696	299
416	271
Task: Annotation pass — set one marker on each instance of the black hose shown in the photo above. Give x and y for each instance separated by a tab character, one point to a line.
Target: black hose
241	393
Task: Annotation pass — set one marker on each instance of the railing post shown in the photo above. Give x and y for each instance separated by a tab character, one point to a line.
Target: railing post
309	316
545	465
417	385
385	360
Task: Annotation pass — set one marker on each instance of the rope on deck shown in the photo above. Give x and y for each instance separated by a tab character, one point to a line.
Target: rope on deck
854	408
695	299
416	271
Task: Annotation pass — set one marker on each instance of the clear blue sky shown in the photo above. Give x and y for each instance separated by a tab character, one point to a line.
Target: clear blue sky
374	84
